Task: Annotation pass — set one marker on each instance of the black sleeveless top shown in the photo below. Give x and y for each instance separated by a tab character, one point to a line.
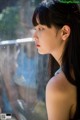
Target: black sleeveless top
75	115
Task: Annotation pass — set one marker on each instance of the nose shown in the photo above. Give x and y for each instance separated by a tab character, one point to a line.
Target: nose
35	36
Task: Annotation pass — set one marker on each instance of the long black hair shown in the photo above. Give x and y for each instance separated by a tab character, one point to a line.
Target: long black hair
59	14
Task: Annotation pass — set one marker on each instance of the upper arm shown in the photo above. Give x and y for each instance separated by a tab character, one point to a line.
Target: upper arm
56	102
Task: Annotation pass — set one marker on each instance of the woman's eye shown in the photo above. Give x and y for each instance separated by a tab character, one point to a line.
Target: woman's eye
40	29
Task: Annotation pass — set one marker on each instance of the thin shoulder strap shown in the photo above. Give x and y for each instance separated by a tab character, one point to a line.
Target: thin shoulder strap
58	71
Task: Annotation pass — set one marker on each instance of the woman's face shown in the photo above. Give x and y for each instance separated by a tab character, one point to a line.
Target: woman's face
47	39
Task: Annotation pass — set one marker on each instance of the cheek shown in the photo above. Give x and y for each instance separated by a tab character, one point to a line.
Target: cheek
47	40
45	45
49	44
39	34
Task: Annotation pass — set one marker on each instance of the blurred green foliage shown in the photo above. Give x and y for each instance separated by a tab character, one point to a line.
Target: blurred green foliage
70	1
37	2
9	21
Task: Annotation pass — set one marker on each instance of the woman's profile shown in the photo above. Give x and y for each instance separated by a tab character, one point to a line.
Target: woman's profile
57	33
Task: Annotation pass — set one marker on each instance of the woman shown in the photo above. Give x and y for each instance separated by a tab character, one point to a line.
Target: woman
57	32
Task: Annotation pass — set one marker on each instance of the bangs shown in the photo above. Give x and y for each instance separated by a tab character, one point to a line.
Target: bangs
48	14
41	15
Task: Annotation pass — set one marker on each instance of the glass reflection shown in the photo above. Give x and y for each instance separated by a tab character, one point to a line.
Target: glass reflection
23	72
22	86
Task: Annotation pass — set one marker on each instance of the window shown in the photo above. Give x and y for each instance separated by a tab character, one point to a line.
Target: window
23	72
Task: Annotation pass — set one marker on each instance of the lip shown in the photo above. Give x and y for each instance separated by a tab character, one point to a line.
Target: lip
37	45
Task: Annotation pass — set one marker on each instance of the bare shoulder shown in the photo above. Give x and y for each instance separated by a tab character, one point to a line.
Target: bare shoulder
60	89
60	83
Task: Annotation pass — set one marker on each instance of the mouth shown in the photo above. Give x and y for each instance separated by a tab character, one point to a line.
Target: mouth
37	45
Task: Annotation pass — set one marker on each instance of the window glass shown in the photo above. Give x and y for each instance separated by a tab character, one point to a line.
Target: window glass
23	72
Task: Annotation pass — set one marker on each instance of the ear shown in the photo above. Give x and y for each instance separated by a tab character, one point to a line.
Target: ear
65	32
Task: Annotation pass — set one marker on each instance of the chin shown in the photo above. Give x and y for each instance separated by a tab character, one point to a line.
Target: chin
42	53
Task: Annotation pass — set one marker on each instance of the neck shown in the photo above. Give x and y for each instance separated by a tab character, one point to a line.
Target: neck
57	54
58	58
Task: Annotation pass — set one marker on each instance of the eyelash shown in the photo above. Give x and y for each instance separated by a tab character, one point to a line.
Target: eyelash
40	29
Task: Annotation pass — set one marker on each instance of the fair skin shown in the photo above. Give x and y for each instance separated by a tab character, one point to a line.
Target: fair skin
51	40
58	90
